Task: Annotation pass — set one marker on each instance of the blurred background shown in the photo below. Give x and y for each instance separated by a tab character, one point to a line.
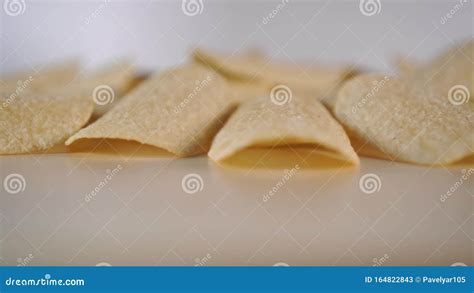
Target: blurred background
158	34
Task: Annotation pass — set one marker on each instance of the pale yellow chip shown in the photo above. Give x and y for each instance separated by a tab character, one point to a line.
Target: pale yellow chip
243	91
108	85
104	86
118	75
31	122
300	131
179	110
451	74
315	82
404	66
405	121
44	80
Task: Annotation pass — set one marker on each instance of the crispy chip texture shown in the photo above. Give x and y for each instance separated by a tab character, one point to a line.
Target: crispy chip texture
107	85
31	122
406	121
104	86
46	79
452	69
302	122
179	110
315	82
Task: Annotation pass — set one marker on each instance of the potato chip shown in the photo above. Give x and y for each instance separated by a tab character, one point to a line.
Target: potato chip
406	122
404	66
105	86
299	131
366	149
243	91
31	122
49	77
315	82
179	110
108	85
451	74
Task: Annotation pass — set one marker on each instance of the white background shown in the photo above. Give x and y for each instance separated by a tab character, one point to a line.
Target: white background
158	34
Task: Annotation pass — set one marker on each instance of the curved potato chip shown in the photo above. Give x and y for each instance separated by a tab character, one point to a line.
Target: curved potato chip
405	122
301	125
315	82
364	148
31	122
179	110
451	70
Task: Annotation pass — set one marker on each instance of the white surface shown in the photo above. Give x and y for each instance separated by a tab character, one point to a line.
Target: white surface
143	216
